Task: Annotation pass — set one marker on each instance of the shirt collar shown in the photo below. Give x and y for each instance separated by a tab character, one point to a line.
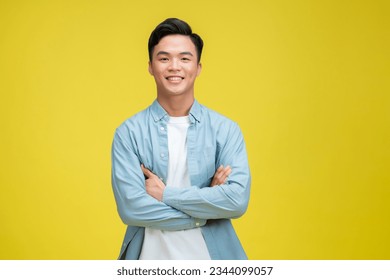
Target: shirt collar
159	113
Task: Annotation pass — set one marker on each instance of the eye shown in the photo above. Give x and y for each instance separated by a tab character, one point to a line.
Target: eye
163	59
185	59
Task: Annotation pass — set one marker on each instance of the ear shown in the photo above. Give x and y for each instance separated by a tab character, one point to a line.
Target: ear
150	69
199	69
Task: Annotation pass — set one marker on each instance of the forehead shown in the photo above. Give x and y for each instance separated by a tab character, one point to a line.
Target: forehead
175	43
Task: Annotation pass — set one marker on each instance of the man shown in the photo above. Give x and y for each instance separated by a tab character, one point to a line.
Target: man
179	170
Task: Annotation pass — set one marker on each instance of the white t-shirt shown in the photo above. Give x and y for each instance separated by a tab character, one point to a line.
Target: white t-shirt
183	244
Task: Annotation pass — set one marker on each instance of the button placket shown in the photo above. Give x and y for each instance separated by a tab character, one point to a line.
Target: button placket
163	148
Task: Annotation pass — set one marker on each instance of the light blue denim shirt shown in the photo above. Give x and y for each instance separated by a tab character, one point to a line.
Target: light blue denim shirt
212	140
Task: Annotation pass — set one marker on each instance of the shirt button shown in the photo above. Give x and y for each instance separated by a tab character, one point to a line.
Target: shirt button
162	128
197	224
162	155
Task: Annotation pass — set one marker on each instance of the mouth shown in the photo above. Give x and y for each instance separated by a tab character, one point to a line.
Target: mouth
174	78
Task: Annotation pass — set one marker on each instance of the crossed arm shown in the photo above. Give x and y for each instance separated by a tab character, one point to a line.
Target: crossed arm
155	187
149	203
225	200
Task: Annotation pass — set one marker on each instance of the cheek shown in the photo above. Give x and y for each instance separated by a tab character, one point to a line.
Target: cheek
158	75
192	72
156	71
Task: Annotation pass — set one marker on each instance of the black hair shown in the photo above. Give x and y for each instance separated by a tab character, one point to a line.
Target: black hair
172	26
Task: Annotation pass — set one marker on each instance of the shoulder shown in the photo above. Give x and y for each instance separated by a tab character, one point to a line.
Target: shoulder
217	119
133	123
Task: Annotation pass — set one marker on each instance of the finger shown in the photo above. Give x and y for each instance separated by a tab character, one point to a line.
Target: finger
214	183
225	171
220	175
146	171
220	170
228	170
219	180
225	174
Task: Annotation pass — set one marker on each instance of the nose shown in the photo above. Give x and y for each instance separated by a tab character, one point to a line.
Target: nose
174	65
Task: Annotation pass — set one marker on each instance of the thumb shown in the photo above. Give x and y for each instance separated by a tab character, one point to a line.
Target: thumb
146	171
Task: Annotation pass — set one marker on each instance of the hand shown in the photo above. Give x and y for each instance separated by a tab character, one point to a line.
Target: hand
154	186
221	175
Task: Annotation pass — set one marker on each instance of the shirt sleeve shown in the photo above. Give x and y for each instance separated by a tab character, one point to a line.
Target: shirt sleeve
229	200
135	206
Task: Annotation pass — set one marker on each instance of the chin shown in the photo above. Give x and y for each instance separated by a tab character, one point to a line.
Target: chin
175	92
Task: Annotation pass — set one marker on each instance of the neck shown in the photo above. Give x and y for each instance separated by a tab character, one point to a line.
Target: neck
176	106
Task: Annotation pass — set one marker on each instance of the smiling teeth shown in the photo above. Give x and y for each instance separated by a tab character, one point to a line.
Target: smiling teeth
174	78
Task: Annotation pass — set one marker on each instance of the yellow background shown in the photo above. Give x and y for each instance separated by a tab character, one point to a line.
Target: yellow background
308	82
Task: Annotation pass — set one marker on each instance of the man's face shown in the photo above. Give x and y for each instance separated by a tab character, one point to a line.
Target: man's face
175	66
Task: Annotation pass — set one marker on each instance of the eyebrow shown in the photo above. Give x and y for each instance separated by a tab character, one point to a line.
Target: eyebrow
167	53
